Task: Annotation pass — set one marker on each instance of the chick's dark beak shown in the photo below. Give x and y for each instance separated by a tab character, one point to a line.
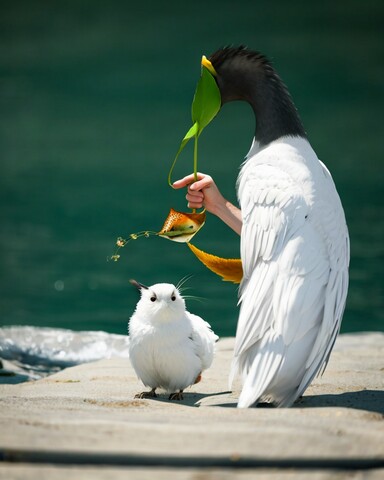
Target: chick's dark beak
138	285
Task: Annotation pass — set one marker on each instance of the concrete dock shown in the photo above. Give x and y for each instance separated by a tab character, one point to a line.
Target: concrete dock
85	421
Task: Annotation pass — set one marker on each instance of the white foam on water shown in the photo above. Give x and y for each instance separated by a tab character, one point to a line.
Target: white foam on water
39	351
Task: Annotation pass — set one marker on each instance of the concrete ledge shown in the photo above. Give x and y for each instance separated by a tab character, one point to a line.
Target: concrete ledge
87	415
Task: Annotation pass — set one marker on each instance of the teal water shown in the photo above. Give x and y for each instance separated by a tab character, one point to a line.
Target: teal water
94	100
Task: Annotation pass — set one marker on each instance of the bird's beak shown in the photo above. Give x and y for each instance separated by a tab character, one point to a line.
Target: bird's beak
138	285
208	65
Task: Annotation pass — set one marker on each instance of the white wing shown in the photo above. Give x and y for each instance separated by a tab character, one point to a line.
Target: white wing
273	209
292	294
337	287
204	340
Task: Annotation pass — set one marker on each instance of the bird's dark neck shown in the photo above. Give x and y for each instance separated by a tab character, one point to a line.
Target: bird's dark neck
275	112
249	76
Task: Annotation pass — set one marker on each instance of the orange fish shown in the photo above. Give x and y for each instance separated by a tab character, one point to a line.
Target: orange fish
182	226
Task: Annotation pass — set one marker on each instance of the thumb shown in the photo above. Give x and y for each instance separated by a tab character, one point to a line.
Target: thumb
202	183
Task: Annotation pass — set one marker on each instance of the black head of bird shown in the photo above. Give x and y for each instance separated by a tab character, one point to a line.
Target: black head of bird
247	75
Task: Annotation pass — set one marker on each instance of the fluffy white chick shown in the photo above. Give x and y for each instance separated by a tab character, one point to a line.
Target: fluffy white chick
169	347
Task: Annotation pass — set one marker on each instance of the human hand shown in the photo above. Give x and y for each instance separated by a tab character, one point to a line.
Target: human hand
201	193
204	193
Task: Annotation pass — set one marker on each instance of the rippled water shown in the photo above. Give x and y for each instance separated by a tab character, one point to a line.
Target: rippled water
29	353
95	99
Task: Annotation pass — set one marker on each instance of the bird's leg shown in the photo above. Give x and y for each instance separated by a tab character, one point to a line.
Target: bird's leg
176	396
151	394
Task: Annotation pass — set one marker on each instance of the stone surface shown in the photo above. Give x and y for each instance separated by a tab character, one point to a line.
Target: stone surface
89	414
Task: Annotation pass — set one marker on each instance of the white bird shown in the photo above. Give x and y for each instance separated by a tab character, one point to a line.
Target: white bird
168	347
294	241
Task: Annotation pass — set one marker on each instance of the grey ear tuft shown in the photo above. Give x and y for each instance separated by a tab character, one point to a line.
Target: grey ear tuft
138	285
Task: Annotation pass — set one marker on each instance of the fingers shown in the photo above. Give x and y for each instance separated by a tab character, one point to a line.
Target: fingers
194	196
195	205
183	182
195	199
195	191
205	182
190	179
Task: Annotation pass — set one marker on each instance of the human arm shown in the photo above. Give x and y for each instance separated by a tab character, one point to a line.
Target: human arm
204	193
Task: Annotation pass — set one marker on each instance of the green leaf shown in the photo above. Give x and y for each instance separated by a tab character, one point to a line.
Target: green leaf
192	132
207	100
205	106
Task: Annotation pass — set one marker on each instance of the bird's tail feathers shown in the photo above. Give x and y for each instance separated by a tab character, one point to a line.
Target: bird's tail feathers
258	366
262	372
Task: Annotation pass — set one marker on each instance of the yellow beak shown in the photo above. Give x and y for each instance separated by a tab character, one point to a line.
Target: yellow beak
208	65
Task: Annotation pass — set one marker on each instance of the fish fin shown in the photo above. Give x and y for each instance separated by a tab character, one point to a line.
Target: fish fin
230	269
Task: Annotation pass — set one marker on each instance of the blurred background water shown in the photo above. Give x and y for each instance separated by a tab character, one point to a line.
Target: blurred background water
94	100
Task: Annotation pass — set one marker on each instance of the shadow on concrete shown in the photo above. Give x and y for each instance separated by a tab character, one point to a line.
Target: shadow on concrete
191	399
367	400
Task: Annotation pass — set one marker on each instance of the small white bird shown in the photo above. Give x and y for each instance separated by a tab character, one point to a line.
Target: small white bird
169	347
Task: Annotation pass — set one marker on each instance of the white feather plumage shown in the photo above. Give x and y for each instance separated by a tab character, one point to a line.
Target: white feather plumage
169	347
295	254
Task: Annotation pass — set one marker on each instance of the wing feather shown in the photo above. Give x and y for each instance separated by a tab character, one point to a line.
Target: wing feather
264	233
204	339
295	281
262	371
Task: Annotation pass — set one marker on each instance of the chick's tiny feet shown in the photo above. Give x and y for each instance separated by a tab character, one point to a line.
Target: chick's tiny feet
151	394
176	396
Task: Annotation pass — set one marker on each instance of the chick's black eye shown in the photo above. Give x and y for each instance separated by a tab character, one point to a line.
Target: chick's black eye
153	299
173	298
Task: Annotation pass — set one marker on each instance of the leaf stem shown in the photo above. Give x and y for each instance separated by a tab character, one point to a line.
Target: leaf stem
195	158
